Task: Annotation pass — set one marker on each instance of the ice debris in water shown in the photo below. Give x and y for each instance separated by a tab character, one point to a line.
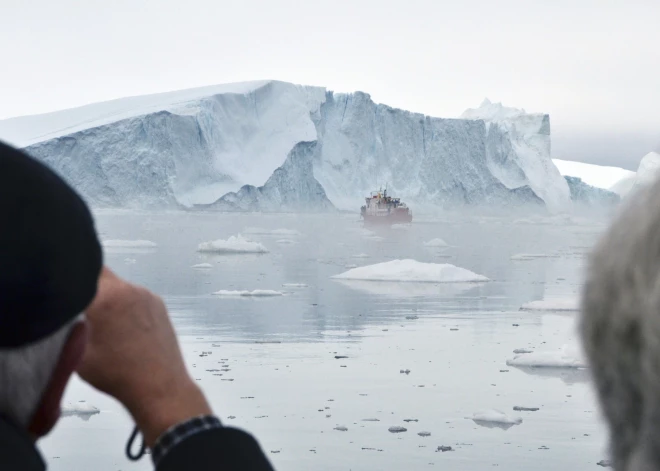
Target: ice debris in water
360	255
278	232
235	244
531	256
341	428
294	285
397	429
495	416
257	293
522	350
136	244
412	271
424	434
129	261
202	266
435	243
553	305
565	357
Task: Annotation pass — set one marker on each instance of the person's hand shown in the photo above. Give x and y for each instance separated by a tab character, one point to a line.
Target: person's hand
133	355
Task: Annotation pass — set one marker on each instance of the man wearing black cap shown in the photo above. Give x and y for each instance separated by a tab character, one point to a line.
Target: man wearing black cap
61	311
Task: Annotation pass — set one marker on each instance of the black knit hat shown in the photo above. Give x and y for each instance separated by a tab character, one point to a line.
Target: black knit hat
50	256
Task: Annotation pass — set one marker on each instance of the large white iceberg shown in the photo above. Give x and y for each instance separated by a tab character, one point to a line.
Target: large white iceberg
274	145
235	244
412	271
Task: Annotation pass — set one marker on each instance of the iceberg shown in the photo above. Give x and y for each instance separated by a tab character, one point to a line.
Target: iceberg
589	195
202	266
563	358
435	243
412	271
235	244
598	176
276	146
495	418
80	409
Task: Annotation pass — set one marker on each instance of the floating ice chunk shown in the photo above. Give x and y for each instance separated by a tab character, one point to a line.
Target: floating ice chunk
80	409
341	428
132	244
235	244
360	255
294	285
202	266
412	271
496	417
523	350
531	256
565	357
278	232
553	305
257	293
397	429
129	261
435	243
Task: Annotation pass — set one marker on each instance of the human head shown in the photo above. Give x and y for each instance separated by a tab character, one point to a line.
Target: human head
50	260
621	330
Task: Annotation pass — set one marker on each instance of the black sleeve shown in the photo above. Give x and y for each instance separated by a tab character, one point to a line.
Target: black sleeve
219	449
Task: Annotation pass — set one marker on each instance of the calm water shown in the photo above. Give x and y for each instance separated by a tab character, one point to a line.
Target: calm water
282	380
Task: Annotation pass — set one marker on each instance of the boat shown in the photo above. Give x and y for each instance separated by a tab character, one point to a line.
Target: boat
384	209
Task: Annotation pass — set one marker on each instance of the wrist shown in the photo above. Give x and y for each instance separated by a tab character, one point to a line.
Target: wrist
155	414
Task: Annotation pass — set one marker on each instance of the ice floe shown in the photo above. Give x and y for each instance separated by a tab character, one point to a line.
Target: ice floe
412	271
565	357
553	305
233	245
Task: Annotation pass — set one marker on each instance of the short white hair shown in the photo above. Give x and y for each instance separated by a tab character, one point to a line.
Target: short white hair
25	373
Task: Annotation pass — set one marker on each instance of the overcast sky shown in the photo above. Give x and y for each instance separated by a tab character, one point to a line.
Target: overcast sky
594	66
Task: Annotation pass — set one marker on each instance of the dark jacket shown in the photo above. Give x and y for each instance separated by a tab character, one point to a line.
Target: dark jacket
223	449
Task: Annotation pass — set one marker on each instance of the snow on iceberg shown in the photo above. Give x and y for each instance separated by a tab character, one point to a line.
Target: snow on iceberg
565	357
235	244
257	293
553	305
80	409
495	418
412	271
435	243
129	244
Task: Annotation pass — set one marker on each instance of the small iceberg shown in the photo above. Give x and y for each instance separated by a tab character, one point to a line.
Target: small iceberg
80	409
494	418
202	266
435	243
257	293
553	305
412	271
129	244
233	245
565	357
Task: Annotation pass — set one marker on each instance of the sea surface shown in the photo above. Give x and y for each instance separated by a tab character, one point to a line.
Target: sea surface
270	366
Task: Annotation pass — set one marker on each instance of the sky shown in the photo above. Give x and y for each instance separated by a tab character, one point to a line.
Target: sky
593	65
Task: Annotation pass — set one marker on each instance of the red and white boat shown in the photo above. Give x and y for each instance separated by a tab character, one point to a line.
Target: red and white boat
383	209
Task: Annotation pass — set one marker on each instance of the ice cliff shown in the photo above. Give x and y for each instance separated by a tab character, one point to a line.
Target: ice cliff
294	147
585	194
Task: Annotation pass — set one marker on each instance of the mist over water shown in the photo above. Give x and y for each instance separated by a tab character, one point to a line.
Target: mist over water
298	369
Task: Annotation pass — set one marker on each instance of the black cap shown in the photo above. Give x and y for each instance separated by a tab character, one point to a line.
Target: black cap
50	256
